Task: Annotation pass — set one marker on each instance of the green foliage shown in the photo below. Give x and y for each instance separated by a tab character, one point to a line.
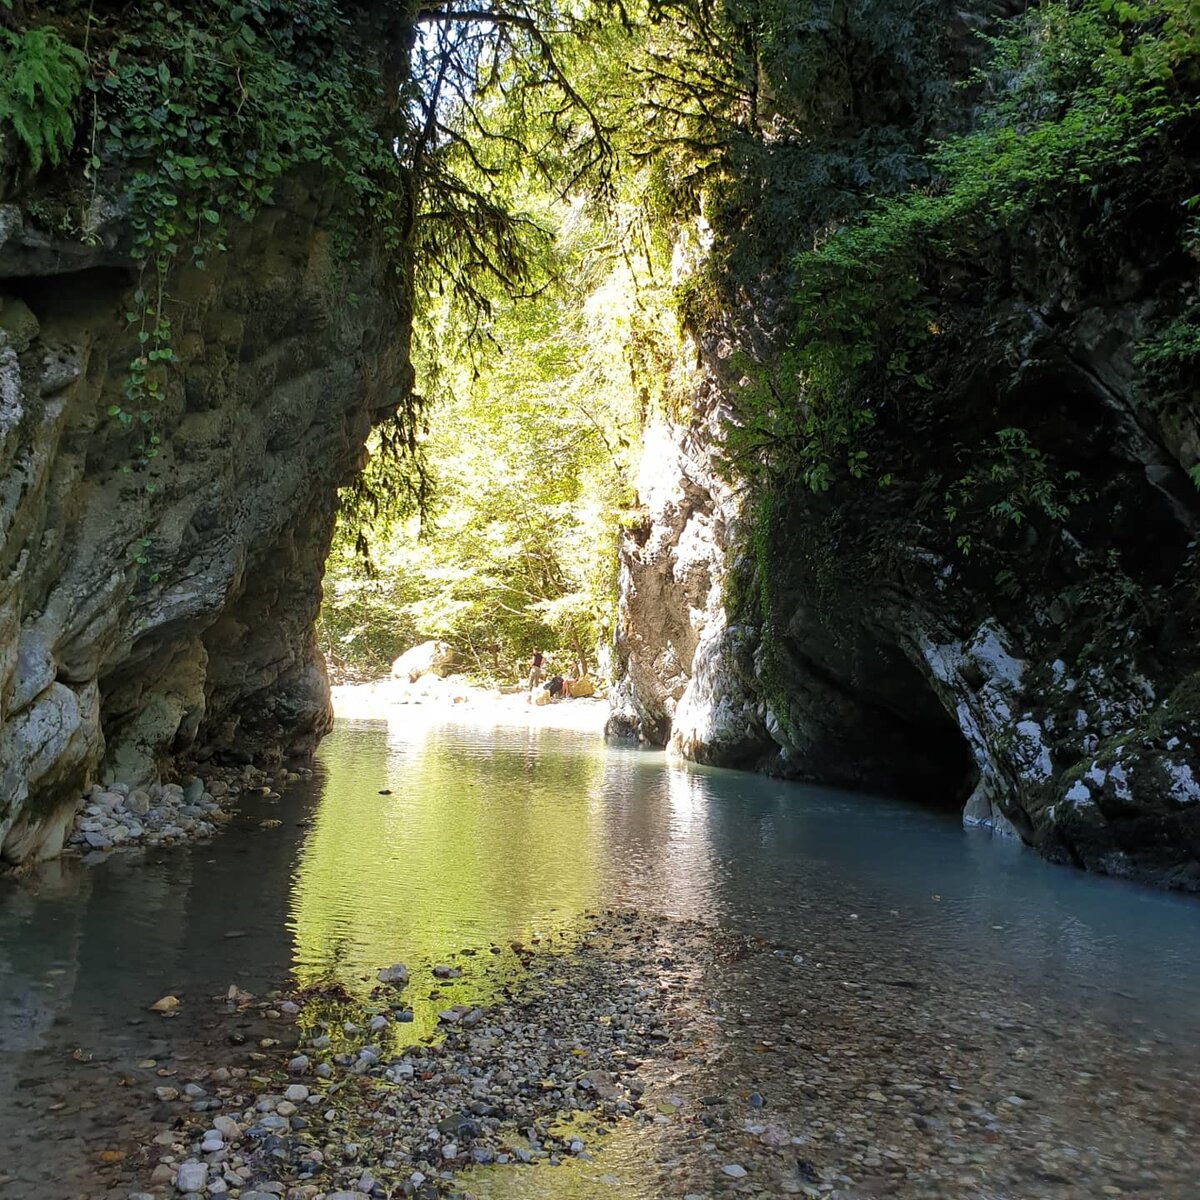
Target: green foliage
1110	609
529	449
1080	98
1170	355
41	76
200	117
1009	482
777	115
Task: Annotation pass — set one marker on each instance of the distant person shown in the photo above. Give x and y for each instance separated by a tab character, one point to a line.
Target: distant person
556	687
535	670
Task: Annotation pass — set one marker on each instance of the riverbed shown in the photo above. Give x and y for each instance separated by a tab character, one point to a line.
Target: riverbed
892	938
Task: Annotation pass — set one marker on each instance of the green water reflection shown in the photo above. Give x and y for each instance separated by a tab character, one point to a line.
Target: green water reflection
487	837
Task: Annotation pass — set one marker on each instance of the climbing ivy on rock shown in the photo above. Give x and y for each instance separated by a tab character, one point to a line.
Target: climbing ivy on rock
199	116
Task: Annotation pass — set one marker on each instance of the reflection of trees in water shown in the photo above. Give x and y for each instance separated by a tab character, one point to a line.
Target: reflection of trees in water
487	835
658	837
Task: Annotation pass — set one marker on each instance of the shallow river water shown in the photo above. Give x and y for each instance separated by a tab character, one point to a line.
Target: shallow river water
487	835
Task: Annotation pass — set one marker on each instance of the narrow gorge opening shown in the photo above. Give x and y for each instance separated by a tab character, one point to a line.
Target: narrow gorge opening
923	756
548	295
869	719
401	398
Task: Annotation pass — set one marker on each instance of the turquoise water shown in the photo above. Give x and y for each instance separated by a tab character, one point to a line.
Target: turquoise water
490	835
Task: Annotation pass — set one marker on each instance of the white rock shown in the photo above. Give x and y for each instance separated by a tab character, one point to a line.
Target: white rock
191	1177
1079	795
228	1128
1184	788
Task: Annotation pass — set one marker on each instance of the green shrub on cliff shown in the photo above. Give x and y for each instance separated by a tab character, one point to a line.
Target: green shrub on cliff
40	80
194	113
1080	100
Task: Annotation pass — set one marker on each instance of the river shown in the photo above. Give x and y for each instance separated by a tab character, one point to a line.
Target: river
419	838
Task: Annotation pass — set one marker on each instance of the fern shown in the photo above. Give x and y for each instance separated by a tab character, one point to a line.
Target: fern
40	78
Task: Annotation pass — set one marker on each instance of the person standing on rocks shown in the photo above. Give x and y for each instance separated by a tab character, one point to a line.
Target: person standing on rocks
535	669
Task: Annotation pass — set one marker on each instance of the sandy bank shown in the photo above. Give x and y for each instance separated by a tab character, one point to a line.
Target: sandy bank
455	700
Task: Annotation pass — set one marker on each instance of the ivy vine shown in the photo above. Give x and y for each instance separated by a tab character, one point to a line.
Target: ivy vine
198	116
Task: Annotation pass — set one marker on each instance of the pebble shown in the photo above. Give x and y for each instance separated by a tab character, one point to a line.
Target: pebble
151	816
616	1033
192	1177
228	1128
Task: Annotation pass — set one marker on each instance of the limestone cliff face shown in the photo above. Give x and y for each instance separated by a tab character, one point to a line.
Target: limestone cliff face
852	645
684	673
159	613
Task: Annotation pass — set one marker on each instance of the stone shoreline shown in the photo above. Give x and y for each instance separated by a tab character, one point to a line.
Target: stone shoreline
649	1057
123	816
339	1106
118	816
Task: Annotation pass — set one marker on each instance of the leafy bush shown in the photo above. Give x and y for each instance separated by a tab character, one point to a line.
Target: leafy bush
1080	98
1011	481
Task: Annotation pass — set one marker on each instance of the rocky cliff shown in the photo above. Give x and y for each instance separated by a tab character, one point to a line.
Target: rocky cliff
162	612
844	639
930	525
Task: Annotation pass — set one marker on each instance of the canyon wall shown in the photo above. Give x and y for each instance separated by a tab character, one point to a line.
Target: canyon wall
845	638
164	612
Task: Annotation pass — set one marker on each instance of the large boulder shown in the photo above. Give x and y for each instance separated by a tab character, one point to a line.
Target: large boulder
429	658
